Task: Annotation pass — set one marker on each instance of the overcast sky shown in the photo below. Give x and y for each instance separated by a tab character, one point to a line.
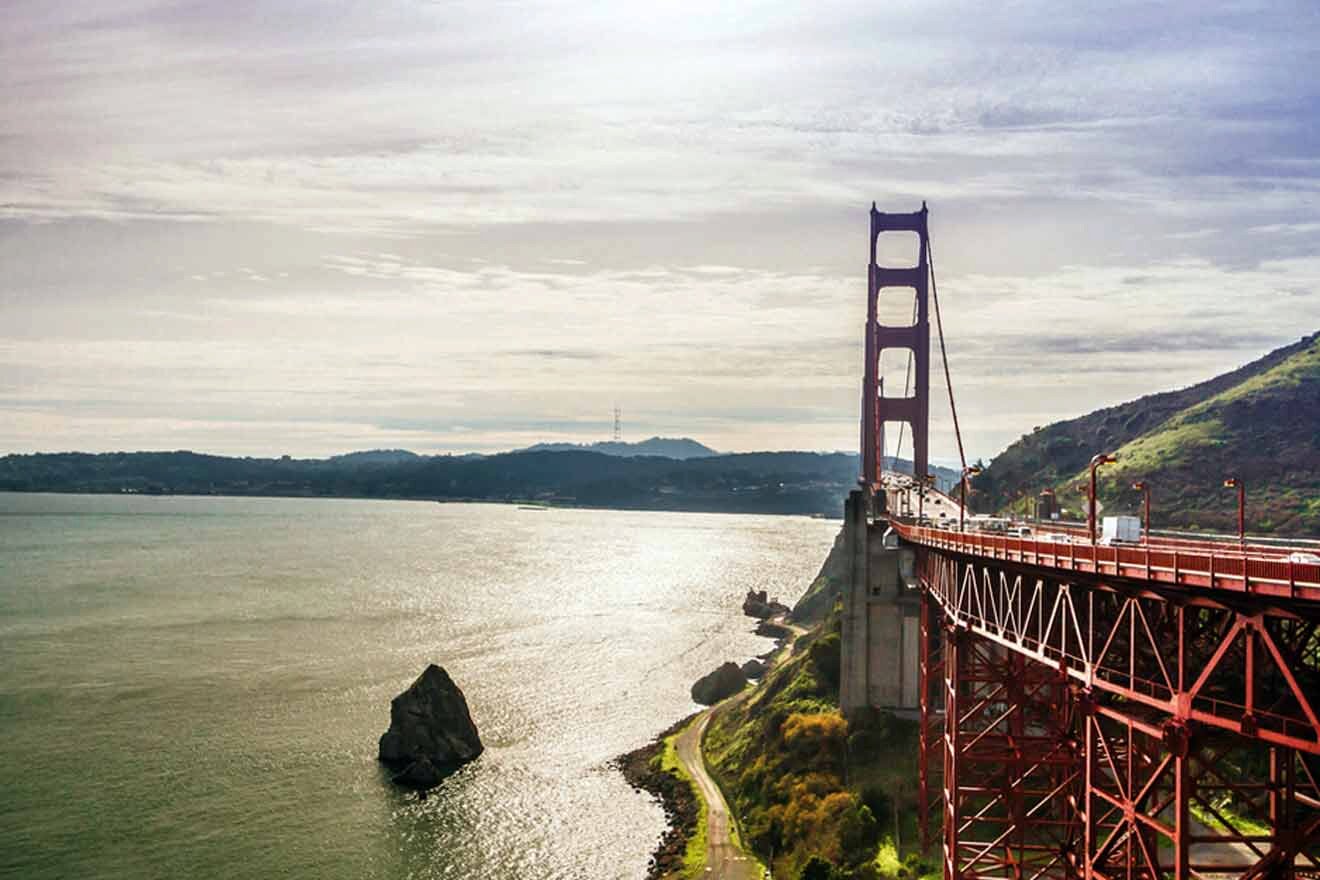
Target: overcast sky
283	226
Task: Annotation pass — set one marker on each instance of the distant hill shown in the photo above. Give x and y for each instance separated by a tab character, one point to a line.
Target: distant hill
1260	422
681	448
375	457
754	482
762	482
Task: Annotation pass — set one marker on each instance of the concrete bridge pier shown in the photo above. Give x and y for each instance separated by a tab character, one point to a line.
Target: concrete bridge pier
881	614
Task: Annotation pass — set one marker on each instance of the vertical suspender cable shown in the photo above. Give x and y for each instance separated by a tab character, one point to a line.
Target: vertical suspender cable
907	384
944	354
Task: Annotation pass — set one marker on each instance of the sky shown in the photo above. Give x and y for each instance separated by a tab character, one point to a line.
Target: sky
266	227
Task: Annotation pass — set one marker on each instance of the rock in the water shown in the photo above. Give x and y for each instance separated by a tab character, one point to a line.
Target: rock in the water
723	682
420	774
431	731
759	604
753	669
772	630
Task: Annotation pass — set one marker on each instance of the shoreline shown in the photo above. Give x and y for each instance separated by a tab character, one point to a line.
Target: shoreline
685	808
540	505
641	769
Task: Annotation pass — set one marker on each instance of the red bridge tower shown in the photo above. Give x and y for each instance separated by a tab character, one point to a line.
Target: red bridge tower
876	407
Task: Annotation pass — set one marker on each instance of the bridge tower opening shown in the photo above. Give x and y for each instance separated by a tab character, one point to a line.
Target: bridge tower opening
877	407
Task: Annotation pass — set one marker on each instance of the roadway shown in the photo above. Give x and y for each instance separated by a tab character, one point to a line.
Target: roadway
942	511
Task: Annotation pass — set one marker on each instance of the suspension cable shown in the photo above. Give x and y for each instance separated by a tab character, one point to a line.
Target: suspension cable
944	354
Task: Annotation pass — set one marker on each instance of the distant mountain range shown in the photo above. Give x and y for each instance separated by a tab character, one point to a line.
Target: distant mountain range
1260	422
758	482
681	448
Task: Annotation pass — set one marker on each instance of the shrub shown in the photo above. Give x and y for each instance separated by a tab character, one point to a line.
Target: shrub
816	735
878	801
817	868
825	657
858	831
870	730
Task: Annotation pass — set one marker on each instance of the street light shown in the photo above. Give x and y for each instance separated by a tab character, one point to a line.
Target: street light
1144	488
1102	458
969	471
1236	483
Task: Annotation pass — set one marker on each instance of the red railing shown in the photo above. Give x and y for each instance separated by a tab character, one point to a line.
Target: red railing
1190	564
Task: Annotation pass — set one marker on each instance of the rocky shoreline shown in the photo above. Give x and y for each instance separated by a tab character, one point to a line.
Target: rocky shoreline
641	769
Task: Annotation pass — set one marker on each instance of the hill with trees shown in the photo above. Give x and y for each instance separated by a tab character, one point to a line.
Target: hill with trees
665	447
755	482
1260	422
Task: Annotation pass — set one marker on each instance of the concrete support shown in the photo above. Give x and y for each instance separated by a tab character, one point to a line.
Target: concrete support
852	659
880	648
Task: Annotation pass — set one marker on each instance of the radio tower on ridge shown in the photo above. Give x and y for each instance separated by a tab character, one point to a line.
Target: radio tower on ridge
618	424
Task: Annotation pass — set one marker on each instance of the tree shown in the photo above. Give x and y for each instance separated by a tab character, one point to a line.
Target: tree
818	868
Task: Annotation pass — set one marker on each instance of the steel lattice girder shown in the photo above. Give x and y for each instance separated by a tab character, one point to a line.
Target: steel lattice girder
1160	707
1011	765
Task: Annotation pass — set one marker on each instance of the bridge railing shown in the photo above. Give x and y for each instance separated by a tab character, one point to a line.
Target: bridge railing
1209	544
1192	565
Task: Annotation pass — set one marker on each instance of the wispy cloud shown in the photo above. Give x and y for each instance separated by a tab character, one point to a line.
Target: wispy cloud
248	225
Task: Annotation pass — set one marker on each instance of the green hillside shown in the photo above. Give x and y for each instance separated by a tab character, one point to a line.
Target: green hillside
818	796
1260	422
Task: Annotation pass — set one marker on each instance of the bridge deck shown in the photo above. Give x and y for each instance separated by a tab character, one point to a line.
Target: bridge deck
1172	562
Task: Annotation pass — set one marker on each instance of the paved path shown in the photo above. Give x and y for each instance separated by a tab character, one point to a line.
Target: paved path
724	859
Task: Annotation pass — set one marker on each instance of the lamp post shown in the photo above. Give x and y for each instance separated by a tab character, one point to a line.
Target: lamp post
1144	488
1102	458
969	471
1236	483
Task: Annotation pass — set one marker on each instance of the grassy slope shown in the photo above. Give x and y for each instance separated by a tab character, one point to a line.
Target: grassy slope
1261	421
803	782
819	599
694	857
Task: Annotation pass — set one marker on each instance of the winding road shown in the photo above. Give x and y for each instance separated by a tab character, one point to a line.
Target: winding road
725	860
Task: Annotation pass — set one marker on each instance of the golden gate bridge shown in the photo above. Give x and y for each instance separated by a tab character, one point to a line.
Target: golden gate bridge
1136	711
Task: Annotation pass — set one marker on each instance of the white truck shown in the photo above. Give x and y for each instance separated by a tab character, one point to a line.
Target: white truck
1120	530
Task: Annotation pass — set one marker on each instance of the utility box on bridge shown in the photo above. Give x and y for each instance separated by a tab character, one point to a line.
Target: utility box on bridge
881	616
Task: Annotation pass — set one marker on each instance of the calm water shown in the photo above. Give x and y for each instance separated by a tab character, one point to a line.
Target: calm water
194	687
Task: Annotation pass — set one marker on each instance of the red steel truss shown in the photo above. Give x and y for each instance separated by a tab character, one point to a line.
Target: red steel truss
1140	712
1100	725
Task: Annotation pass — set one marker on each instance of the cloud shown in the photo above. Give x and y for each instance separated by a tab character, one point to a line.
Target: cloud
253	228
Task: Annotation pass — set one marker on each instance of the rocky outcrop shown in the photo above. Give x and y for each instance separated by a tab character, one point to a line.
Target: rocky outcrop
725	681
431	731
420	774
753	669
826	589
758	604
773	630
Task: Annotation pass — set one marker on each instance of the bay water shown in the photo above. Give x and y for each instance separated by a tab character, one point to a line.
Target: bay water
194	687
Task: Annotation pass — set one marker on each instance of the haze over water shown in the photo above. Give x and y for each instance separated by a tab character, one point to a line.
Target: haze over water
195	686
